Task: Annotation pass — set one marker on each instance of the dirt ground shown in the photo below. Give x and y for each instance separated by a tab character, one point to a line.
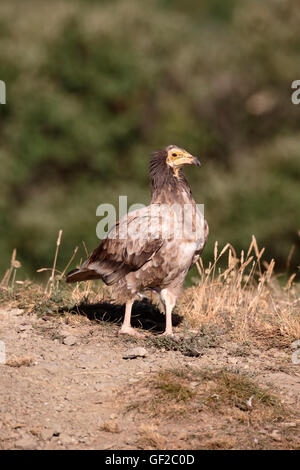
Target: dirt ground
65	384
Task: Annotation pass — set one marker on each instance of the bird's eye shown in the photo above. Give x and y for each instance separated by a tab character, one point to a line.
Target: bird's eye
174	154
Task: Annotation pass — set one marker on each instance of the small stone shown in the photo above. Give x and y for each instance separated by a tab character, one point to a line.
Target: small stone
136	352
233	360
56	430
26	443
70	340
16	311
100	421
21	328
46	434
289	425
133	381
249	402
65	438
275	435
98	386
194	384
255	352
65	333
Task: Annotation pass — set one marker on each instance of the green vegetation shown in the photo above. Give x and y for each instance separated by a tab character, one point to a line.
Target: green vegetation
94	87
183	393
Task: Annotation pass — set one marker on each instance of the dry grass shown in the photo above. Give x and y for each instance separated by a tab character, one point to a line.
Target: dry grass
245	298
9	279
217	409
55	296
239	396
188	390
150	438
173	387
110	426
20	361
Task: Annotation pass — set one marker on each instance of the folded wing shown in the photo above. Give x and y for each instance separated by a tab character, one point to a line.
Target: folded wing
129	245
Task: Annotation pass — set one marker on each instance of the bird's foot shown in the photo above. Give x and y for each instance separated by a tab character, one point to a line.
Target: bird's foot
128	330
168	333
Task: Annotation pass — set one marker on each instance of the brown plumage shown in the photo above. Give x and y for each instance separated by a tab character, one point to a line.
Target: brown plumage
154	247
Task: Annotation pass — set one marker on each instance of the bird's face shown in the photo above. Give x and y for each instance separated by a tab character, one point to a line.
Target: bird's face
177	157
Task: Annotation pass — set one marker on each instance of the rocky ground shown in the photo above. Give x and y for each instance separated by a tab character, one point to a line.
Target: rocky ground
70	382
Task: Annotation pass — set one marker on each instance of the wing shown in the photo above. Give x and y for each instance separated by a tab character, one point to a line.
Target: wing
129	245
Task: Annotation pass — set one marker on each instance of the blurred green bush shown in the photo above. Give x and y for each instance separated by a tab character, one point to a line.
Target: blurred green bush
94	87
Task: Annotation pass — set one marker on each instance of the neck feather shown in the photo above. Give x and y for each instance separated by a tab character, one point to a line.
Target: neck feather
166	188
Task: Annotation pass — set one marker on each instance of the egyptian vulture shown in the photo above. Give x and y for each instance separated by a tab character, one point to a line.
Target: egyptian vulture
153	247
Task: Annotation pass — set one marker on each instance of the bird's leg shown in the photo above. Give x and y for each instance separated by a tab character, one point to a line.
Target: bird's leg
126	327
169	301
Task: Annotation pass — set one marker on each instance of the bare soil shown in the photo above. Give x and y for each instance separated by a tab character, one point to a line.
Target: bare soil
85	395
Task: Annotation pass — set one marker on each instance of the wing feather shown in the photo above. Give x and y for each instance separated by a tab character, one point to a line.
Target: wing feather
129	245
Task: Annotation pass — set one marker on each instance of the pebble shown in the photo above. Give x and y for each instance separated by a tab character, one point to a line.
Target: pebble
65	333
25	443
194	384
56	430
289	425
232	360
70	340
16	311
98	386
275	435
136	352
100	421
65	438
46	434
22	328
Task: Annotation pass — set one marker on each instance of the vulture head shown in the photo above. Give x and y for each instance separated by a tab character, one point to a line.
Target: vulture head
166	171
168	162
176	157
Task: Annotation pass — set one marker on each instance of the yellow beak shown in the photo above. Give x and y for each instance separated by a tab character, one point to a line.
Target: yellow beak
186	158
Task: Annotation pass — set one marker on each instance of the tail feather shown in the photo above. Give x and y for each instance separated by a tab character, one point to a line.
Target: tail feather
108	270
82	274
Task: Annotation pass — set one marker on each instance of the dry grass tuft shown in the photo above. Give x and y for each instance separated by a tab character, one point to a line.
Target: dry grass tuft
186	391
217	408
8	281
173	387
150	438
246	298
218	443
232	393
110	426
20	361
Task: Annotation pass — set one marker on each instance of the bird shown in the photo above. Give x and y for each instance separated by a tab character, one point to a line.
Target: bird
154	247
